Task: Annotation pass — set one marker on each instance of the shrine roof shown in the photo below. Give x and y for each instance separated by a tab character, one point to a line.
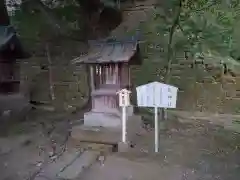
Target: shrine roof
111	52
10	45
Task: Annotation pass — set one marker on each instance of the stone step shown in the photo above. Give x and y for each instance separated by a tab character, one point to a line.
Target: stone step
108	136
178	67
185	62
199	61
176	72
82	163
99	135
238	94
207	80
91	146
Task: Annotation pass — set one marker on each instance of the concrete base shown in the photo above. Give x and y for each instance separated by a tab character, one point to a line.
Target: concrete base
107	135
105	119
123	147
97	119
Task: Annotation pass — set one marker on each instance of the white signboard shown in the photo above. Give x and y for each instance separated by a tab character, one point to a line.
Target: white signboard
124	97
157	94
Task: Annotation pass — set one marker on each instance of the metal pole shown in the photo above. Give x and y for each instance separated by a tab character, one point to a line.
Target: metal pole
124	133
156	129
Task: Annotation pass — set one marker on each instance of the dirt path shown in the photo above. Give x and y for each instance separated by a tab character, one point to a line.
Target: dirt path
29	144
188	152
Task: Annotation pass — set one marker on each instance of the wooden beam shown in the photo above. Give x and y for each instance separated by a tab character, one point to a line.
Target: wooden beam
129	76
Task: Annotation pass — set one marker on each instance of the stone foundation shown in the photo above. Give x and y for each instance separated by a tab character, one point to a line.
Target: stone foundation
107	135
101	119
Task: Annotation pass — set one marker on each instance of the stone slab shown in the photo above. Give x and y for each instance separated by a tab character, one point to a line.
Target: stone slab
121	168
79	165
107	120
40	178
96	135
97	147
62	162
91	146
102	119
104	135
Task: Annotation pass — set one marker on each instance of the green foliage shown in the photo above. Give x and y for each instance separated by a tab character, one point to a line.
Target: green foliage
211	25
206	28
35	24
29	25
67	13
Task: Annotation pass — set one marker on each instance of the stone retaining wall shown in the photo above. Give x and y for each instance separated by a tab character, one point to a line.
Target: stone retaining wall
68	81
200	91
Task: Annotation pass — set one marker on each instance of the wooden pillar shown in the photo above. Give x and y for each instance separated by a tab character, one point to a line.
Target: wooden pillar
100	75
129	76
120	75
92	83
116	74
92	78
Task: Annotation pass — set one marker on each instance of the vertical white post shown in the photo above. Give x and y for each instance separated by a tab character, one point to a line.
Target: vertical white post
156	128
124	133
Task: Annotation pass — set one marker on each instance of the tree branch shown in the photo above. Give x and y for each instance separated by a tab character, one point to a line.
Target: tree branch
55	23
50	73
52	21
201	9
169	49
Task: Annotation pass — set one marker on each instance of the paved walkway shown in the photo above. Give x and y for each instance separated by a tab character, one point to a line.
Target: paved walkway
69	166
119	168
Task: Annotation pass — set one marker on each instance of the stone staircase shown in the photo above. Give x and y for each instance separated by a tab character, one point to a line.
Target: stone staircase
70	165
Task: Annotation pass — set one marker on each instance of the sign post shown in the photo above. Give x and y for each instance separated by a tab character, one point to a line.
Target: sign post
156	138
156	95
124	102
124	128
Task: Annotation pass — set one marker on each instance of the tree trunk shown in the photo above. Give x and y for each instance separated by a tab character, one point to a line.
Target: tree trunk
4	19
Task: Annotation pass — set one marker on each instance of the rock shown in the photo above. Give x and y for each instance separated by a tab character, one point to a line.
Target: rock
5	150
6	113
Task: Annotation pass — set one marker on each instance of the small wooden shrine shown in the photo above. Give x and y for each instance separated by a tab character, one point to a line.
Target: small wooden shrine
10	51
110	72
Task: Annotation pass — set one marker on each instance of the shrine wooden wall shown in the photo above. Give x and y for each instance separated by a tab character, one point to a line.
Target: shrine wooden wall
9	76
